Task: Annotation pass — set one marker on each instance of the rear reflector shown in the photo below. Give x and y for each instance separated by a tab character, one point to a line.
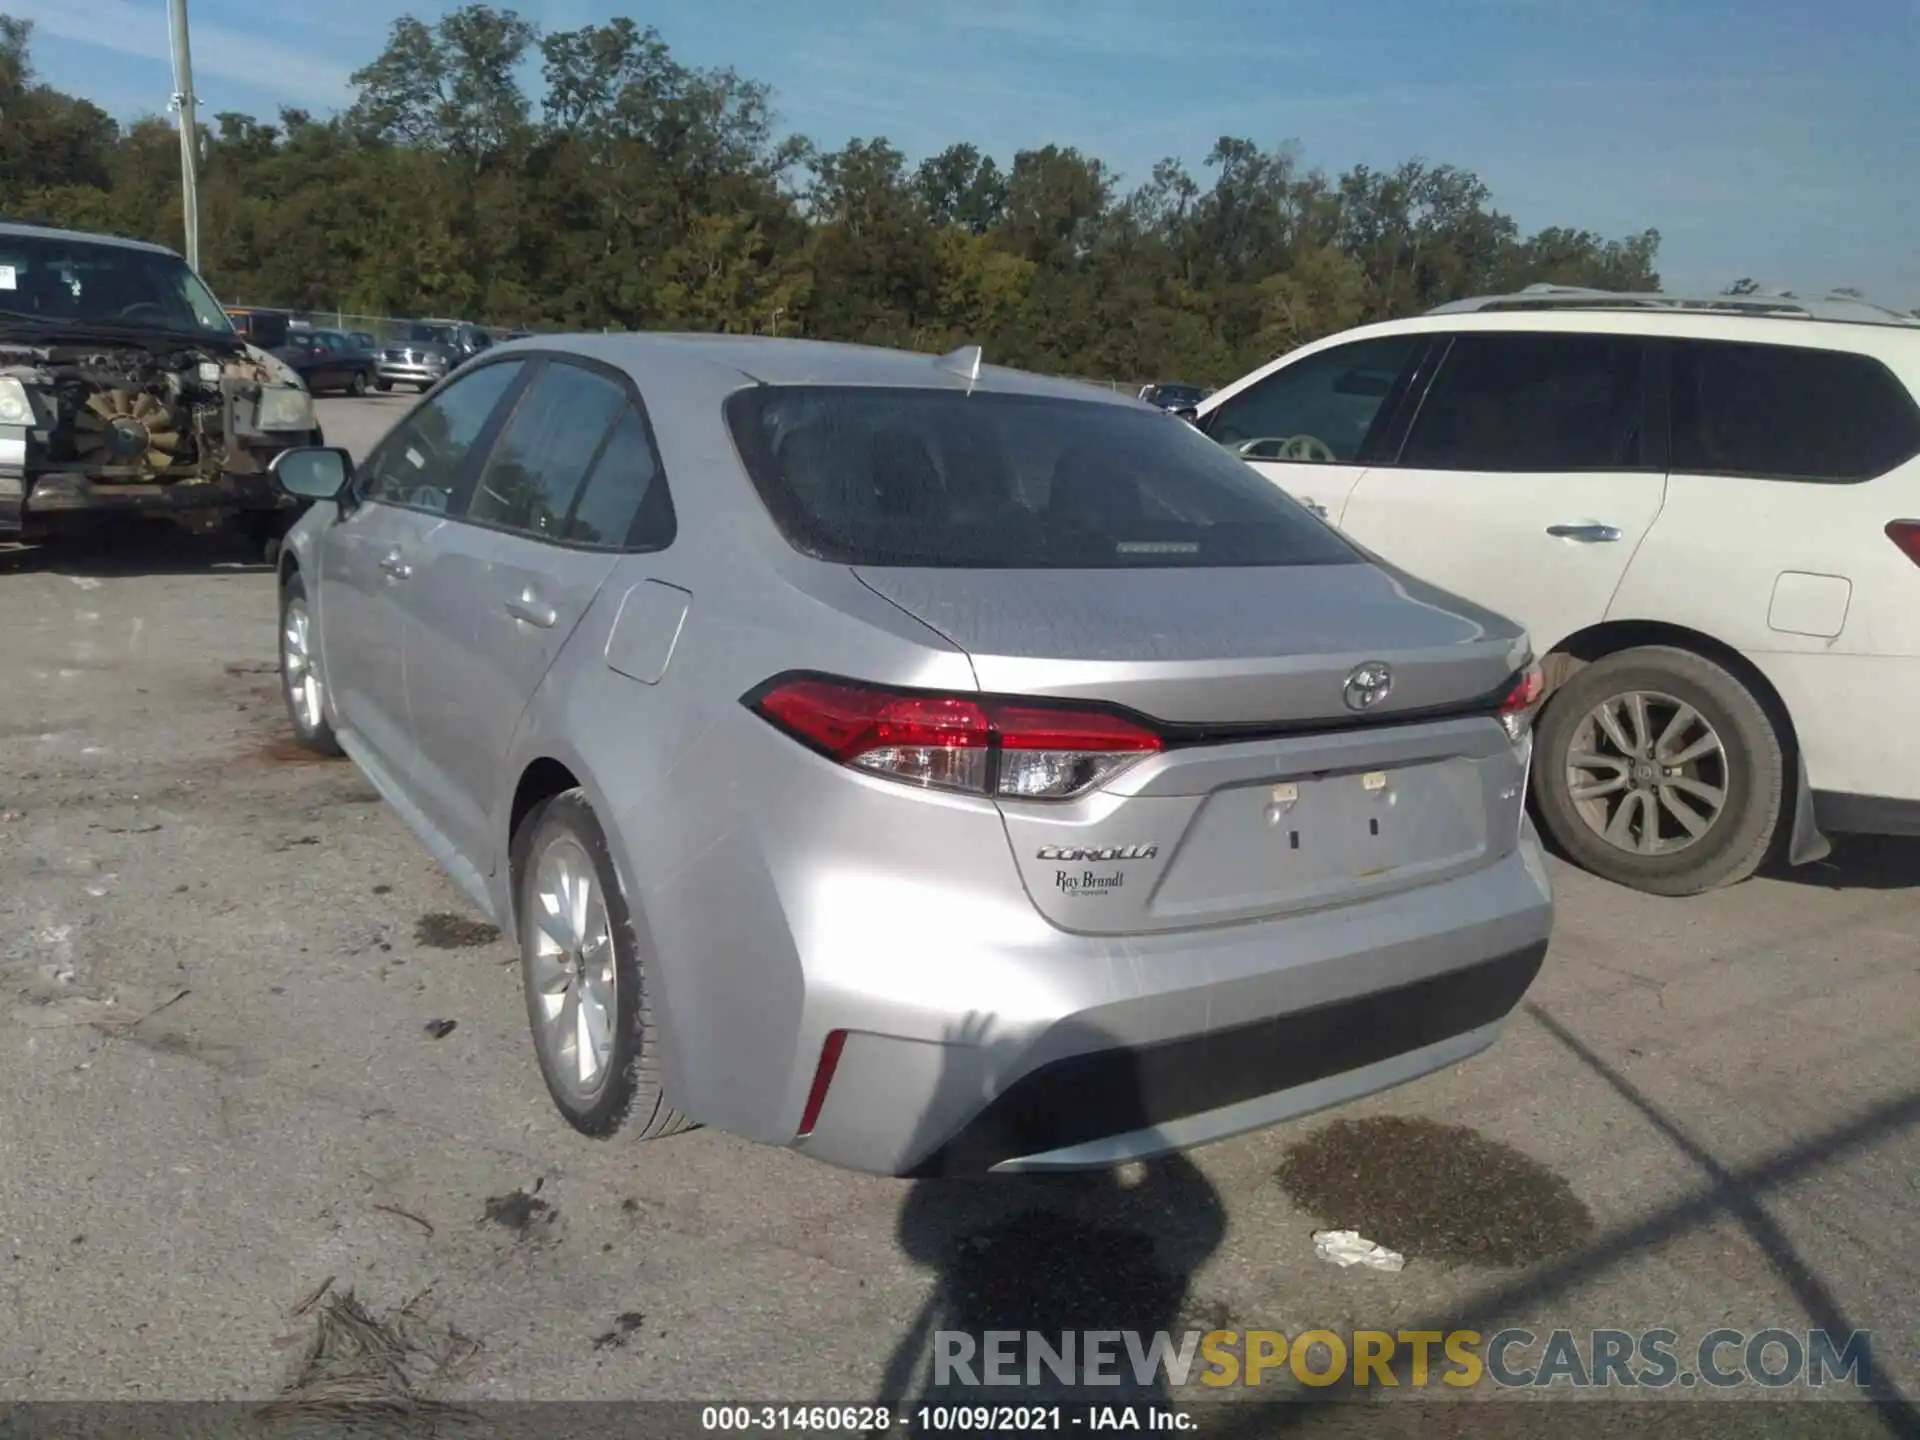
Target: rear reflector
1906	534
1523	702
822	1079
1018	749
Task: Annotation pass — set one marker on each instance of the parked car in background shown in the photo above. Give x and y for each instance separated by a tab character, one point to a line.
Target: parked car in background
329	360
1706	513
928	767
126	392
1174	397
425	351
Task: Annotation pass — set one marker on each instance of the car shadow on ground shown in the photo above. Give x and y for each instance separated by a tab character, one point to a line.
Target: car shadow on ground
1053	1254
1105	1251
150	549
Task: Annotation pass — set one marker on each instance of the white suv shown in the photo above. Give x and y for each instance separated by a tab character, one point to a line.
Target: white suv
1706	512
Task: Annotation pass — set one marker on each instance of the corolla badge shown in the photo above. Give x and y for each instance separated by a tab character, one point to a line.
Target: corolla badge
1368	685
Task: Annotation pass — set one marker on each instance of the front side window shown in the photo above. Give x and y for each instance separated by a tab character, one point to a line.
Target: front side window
1533	401
420	465
1788	412
60	281
542	456
946	479
1320	408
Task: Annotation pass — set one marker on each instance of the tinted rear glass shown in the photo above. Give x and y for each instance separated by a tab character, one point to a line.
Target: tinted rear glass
945	480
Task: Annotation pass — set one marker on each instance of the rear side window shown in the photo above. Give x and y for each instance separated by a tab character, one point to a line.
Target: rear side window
1533	402
948	480
543	455
1320	408
1788	412
625	502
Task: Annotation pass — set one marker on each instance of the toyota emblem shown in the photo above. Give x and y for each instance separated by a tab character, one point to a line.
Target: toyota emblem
1368	685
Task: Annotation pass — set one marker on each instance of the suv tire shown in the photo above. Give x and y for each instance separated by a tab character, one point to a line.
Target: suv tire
561	837
1665	731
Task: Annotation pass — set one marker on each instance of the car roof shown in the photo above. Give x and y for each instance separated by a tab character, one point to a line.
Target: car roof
1894	341
770	360
1765	304
48	232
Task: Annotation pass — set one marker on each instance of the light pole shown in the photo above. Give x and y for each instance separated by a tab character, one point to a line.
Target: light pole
189	131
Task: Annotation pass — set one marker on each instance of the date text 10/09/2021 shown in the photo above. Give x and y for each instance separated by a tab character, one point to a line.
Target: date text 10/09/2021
934	1419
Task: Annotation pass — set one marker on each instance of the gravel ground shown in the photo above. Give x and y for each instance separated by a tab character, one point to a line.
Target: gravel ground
251	1042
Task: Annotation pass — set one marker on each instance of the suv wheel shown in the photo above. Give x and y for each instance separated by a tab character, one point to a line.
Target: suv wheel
587	990
358	385
1659	770
300	683
382	384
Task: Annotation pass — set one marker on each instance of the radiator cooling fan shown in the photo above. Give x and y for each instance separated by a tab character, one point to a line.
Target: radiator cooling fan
121	429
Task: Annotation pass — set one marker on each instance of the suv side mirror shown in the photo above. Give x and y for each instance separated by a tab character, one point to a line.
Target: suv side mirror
312	472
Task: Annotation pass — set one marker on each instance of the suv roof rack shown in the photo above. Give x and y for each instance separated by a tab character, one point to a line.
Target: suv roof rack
1773	304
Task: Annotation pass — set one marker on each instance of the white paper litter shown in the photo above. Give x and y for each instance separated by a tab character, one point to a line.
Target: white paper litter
1347	1248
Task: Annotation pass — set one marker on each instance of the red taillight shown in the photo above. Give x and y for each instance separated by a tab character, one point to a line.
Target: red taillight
956	742
1517	710
822	1079
1906	534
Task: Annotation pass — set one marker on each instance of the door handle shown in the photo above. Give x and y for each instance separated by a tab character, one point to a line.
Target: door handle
529	609
395	565
1585	534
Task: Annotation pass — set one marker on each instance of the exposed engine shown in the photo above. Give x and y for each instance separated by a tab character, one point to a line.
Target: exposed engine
131	414
137	414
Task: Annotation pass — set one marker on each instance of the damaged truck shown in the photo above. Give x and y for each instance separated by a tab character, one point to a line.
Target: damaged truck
125	393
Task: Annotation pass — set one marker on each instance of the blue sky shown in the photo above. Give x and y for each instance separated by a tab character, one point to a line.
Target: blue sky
1772	138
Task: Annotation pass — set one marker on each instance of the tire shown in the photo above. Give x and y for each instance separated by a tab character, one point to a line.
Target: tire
307	709
625	1094
1749	769
357	386
383	385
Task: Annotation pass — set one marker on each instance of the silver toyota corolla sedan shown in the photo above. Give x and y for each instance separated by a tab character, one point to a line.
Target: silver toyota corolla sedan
929	767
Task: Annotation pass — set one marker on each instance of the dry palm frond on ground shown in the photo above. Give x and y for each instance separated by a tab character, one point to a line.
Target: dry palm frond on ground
364	1374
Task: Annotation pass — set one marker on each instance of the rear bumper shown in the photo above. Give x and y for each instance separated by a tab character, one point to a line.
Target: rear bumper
1105	1052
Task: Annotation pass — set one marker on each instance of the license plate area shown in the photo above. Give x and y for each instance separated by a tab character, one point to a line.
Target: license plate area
1322	838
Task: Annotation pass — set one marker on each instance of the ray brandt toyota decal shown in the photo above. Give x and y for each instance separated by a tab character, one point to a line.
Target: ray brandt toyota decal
1088	881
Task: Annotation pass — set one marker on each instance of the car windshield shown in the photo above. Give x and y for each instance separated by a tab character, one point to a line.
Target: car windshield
1178	395
429	334
64	280
945	479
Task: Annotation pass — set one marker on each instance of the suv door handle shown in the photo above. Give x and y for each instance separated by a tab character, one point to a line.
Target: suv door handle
529	609
395	565
1585	534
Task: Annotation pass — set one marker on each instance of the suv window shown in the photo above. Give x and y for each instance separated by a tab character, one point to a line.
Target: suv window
1533	402
420	464
625	502
543	455
1334	397
1788	412
952	480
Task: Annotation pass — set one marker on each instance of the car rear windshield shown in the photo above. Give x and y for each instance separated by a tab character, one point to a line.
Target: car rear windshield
947	480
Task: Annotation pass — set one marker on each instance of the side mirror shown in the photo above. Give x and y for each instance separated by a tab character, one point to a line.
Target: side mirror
312	472
1188	413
